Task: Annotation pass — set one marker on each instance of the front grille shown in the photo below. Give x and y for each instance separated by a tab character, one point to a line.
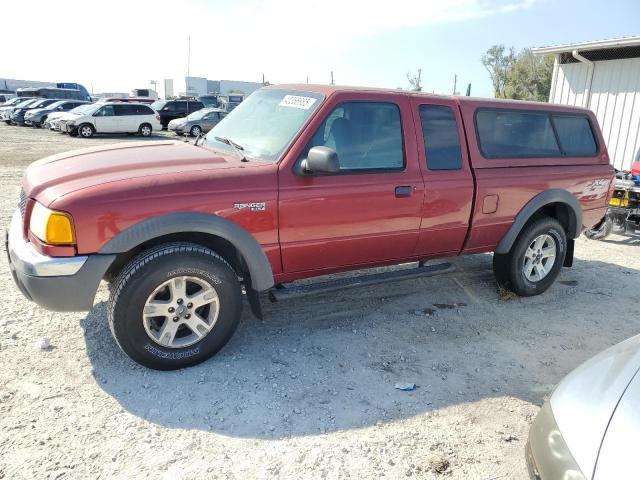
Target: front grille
23	203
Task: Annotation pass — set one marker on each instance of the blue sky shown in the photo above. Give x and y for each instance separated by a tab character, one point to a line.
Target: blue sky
446	49
370	42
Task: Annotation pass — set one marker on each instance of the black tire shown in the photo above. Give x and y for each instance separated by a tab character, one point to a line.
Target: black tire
600	232
142	276
509	268
145	130
42	122
86	130
195	131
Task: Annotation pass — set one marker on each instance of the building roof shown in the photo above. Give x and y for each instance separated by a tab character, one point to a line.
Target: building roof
610	43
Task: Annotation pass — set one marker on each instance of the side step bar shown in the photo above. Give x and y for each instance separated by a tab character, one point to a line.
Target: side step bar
284	293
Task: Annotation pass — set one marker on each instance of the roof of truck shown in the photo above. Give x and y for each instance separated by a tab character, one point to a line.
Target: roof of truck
330	89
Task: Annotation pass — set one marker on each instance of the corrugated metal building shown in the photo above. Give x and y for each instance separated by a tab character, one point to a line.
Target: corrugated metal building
605	77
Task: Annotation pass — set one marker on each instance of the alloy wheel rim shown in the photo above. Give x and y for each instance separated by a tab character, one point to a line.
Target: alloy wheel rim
86	132
181	311
145	131
539	258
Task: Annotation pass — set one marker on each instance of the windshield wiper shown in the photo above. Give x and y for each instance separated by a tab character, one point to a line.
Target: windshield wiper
236	146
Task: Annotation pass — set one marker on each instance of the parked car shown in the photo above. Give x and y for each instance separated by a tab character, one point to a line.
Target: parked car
590	426
6	112
197	122
5	97
18	114
11	102
113	118
302	181
36	117
172	109
53	119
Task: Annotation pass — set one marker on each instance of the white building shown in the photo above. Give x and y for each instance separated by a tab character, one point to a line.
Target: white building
605	77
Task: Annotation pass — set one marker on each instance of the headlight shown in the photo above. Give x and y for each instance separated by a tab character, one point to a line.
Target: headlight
54	228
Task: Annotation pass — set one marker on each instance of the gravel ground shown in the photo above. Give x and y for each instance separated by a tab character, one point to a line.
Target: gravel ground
309	392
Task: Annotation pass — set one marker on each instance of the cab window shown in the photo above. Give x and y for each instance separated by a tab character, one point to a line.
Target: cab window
367	136
106	111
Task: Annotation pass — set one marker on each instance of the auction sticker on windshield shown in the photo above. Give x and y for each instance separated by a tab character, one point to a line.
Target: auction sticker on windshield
296	101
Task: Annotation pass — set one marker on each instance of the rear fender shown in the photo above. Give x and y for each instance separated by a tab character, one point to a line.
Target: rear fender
548	197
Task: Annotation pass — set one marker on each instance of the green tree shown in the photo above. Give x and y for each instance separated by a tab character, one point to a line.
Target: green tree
530	77
498	61
522	76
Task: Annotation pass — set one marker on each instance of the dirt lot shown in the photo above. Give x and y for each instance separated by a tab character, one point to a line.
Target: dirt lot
309	392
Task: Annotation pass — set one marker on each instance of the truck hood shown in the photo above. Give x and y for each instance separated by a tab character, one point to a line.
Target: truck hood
64	173
584	402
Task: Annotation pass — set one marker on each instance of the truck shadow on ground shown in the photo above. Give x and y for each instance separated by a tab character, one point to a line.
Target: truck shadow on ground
331	362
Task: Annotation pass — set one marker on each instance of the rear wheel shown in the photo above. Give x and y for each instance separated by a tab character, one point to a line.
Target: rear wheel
535	259
145	130
174	306
195	131
86	130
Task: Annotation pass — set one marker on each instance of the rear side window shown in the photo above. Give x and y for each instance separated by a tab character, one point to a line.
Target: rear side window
142	110
575	135
513	134
124	109
441	140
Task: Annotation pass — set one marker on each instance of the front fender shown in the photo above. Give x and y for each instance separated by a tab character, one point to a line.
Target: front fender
255	258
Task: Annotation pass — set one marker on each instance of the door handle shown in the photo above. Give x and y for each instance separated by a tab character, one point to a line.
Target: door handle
404	191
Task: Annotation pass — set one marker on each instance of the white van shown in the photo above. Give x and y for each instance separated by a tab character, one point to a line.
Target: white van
113	118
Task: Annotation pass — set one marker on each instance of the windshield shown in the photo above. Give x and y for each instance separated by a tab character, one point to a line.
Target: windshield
26	102
158	104
55	105
86	109
197	115
266	122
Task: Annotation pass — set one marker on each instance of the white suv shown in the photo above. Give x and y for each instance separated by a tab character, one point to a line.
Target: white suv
114	118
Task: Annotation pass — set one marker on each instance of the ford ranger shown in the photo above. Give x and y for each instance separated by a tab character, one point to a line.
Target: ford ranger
302	181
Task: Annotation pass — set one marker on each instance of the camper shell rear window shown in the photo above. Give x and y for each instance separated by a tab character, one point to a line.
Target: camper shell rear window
515	133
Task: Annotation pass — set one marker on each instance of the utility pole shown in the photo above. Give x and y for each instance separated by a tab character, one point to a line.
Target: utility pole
307	80
455	83
188	73
332	82
263	79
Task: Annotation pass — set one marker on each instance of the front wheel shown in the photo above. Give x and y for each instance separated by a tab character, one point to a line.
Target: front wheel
195	131
86	130
174	306
535	259
145	130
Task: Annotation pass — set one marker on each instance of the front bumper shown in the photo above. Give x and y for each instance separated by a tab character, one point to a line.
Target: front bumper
547	454
178	129
63	284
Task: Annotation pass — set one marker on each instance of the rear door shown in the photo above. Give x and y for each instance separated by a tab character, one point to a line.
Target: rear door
449	185
127	120
370	211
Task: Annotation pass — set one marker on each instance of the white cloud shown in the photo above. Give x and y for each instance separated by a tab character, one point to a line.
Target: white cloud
120	45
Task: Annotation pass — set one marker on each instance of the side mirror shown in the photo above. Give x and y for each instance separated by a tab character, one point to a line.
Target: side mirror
321	161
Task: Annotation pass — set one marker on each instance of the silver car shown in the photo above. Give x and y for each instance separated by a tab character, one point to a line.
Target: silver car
198	122
590	427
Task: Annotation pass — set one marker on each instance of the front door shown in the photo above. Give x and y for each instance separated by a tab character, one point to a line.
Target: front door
105	119
370	211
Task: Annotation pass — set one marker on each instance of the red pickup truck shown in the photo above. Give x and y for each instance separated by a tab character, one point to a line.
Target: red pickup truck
301	181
